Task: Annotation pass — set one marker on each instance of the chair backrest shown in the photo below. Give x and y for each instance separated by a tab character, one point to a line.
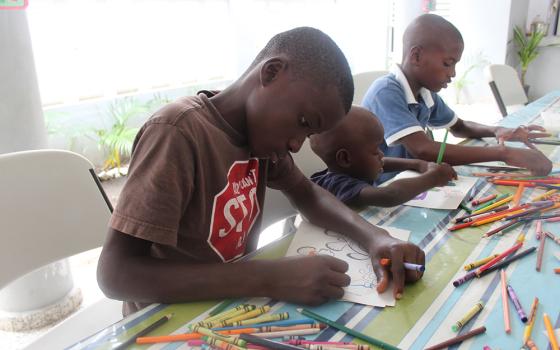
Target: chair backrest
362	82
505	85
276	205
51	207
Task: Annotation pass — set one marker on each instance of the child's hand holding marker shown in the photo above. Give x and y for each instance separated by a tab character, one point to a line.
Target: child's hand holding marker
400	254
441	173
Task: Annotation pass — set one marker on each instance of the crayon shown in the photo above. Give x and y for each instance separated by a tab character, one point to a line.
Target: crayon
356	334
143	332
498	258
532	316
457	339
550	331
480	262
504	263
408	266
517	304
468	316
484	199
505	304
540	254
269	344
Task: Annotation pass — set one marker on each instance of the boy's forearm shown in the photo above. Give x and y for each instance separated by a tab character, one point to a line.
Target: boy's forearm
323	209
458	154
468	129
400	164
395	193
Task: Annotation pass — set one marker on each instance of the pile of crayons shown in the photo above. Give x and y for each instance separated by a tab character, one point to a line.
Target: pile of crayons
251	327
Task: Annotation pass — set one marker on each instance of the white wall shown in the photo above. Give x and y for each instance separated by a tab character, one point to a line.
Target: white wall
543	74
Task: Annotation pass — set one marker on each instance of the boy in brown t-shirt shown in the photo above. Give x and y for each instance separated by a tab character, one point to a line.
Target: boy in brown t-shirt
196	183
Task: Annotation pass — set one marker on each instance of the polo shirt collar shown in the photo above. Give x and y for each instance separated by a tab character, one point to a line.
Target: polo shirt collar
410	98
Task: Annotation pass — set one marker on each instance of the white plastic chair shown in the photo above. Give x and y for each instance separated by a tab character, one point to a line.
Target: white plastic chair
506	87
362	82
51	208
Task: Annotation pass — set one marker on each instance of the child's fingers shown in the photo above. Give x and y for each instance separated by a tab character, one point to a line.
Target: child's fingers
339	279
333	292
530	144
397	270
336	264
536	135
382	275
536	127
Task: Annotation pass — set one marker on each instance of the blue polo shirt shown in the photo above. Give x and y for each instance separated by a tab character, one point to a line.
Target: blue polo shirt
343	186
390	98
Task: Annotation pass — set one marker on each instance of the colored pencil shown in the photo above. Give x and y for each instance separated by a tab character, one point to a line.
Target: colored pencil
542	217
498	258
507	261
518	195
532	316
505	304
544	142
484	199
550	332
494	205
408	266
269	344
544	195
553	237
471	217
144	331
500	228
490	202
356	334
540	254
457	339
538	230
442	147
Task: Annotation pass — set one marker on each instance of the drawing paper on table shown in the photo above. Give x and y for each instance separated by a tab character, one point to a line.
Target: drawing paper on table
446	197
310	239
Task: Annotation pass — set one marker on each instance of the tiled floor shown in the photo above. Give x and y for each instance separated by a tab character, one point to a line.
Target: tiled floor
84	265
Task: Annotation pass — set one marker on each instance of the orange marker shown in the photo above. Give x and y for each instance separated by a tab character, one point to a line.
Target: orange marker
518	194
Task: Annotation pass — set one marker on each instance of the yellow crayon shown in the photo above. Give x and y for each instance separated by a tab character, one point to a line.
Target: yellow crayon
478	263
468	316
221	344
248	315
227	313
262	319
212	334
544	195
496	218
532	317
492	206
218	322
520	238
550	332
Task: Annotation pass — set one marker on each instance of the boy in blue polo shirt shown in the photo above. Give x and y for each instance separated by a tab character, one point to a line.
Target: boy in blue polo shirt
406	102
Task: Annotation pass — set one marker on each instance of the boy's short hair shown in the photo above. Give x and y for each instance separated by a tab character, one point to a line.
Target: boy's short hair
352	130
428	30
315	57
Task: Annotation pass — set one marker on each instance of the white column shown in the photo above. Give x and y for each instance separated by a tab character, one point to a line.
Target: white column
34	299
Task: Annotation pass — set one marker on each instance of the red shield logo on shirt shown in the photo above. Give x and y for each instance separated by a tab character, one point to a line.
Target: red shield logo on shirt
235	210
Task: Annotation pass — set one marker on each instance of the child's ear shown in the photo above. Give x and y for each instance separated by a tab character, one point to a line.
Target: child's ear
415	54
343	158
270	70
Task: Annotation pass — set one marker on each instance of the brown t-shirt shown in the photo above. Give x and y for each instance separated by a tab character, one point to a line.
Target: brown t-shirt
193	188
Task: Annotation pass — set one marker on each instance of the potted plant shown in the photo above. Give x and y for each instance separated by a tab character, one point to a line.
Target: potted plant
528	48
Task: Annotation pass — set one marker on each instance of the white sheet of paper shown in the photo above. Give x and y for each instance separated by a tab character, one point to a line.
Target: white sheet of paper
311	239
446	197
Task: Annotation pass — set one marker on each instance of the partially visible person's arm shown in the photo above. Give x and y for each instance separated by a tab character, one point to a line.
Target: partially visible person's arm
401	191
401	164
468	129
323	209
420	146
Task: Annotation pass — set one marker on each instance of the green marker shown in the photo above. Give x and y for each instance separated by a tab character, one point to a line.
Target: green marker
442	147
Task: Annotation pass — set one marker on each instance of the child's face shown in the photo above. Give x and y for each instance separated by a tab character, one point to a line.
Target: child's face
282	114
366	157
438	65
